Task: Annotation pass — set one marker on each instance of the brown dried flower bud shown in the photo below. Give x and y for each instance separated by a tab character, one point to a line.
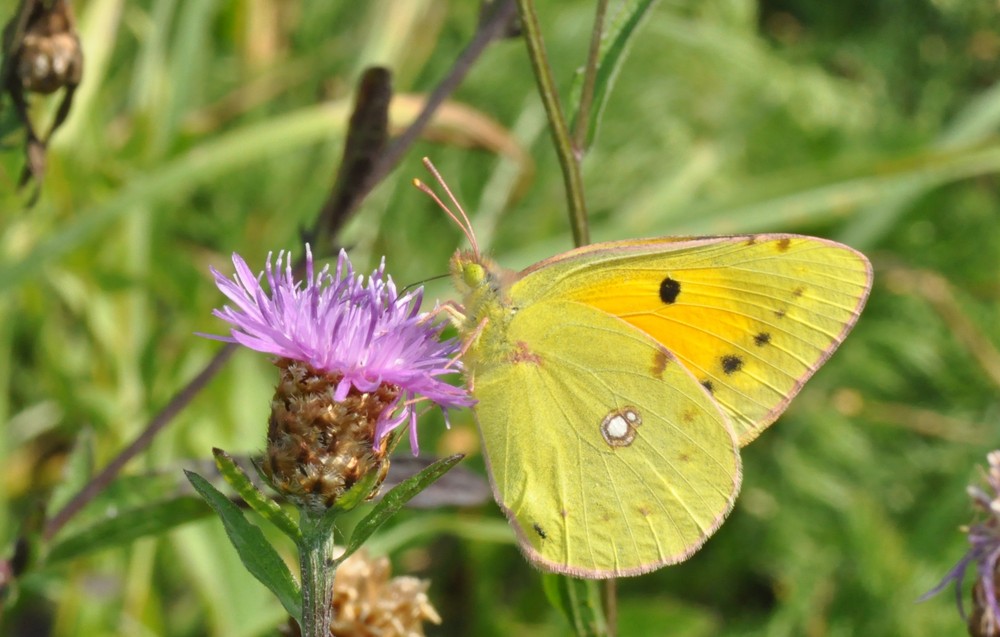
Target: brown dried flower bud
48	55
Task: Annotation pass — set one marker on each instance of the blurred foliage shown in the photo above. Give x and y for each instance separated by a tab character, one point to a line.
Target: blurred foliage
203	128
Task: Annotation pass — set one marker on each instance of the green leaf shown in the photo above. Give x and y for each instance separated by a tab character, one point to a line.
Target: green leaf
254	550
622	24
579	601
358	493
394	500
128	525
258	501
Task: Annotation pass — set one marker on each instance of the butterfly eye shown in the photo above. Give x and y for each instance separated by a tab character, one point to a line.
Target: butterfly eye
473	274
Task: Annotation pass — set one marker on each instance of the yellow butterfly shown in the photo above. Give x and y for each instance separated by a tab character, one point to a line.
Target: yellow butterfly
617	382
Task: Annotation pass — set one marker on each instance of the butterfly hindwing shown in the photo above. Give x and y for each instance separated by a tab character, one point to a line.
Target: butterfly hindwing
751	317
604	451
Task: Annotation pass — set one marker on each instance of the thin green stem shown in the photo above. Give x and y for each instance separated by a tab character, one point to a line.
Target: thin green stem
589	80
317	571
609	602
568	159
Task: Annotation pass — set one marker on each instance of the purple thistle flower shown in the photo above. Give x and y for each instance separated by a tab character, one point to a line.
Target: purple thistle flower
984	552
365	333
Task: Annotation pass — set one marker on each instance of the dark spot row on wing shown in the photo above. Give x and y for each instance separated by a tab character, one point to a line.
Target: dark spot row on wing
731	363
670	289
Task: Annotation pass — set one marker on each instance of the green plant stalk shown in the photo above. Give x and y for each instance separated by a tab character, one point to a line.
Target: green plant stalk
609	604
568	159
316	564
589	80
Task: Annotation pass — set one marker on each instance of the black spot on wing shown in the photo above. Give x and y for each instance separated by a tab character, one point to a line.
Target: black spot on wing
762	339
707	384
540	531
670	289
731	364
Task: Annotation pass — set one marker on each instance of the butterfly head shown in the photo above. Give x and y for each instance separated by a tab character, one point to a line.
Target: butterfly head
484	289
472	272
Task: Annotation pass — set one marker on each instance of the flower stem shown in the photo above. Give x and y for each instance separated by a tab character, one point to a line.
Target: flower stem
589	80
568	157
317	571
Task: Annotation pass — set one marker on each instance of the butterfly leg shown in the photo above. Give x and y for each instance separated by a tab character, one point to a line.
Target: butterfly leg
470	377
453	312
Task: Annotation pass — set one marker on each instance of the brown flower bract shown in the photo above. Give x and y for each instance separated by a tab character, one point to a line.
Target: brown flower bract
318	448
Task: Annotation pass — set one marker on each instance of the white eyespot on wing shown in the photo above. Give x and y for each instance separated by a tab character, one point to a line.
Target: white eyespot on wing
619	426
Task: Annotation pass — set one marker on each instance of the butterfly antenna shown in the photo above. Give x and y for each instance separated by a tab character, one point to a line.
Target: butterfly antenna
465	224
430	193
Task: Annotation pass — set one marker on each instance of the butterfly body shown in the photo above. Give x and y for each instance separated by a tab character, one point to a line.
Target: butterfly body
616	383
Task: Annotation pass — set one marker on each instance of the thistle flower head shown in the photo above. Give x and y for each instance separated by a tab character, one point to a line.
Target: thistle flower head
355	356
984	552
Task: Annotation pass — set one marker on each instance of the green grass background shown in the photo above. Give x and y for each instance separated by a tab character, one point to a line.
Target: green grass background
208	127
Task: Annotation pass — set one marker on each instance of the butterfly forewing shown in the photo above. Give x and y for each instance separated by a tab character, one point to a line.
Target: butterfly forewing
751	317
604	451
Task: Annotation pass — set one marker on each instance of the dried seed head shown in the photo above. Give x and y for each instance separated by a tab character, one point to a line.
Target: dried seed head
48	56
366	601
